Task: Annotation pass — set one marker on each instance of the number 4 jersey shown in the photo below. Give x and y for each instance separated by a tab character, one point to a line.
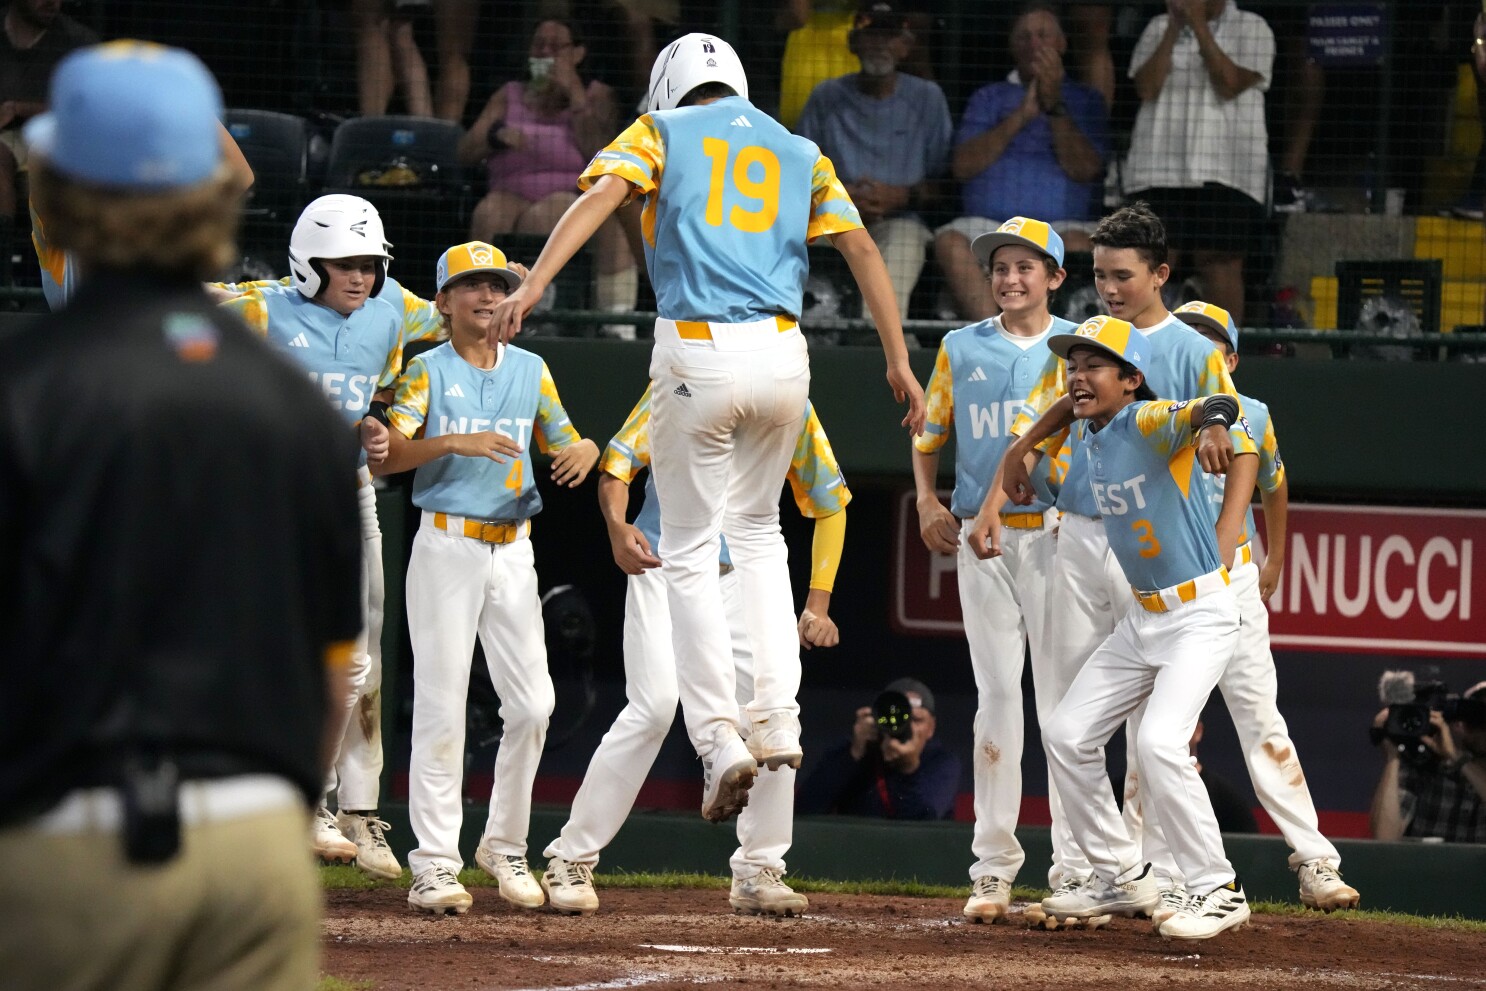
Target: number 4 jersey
731	200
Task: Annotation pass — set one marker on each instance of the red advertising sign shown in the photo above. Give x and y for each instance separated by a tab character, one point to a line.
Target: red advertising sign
1357	579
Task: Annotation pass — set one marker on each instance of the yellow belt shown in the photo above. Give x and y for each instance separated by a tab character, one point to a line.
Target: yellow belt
1164	600
1022	521
1245	553
488	531
700	330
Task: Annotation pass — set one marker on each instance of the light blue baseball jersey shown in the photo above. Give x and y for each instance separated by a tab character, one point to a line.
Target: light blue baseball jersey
349	358
421	320
1181	364
1149	490
731	200
1271	466
441	394
981	380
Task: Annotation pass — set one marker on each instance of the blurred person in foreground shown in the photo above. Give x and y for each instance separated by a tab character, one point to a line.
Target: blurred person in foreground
891	767
187	560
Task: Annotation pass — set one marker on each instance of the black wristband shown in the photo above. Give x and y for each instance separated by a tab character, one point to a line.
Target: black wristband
378	411
1221	410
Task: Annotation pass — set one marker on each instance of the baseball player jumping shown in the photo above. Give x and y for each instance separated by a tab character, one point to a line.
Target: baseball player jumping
464	416
731	199
624	757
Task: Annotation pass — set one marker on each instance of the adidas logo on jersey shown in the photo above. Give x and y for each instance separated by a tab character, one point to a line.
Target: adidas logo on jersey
455	391
741	121
978	375
300	342
682	391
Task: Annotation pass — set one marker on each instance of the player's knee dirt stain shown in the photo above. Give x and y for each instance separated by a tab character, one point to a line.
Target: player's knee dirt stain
1285	759
367	711
1132	786
992	753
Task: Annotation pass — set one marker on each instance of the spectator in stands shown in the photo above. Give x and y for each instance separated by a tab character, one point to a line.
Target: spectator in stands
37	35
454	23
1442	796
387	55
816	50
1032	145
534	138
876	774
1471	207
888	134
1199	152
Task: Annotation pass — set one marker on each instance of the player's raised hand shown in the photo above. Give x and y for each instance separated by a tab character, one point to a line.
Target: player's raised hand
485	444
573	463
375	440
938	527
985	535
631	550
1214	449
905	386
510	311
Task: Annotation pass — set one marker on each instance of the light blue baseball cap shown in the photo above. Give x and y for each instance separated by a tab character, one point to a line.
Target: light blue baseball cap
131	115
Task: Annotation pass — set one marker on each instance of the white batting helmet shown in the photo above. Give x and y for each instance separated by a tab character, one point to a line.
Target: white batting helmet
687	63
337	225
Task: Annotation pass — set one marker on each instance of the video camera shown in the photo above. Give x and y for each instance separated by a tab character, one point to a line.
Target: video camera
893	714
1409	704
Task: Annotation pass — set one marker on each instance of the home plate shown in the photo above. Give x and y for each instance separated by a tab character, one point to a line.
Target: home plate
668	948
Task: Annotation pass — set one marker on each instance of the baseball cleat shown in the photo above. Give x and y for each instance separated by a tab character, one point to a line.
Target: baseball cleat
326	840
990	897
727	774
765	893
775	741
512	873
373	856
569	887
437	890
1173	900
1204	916
1322	887
1137	896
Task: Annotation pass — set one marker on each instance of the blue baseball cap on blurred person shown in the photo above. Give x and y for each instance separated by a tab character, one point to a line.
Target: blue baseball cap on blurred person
131	115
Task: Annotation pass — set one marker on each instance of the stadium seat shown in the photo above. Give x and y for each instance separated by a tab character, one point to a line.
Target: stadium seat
277	148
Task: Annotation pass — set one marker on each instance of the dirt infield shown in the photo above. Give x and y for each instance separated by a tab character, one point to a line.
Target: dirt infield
669	939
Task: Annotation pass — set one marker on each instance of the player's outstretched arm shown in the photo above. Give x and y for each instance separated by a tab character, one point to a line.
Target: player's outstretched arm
405	454
816	628
1238	488
632	552
1015	468
1276	532
937	527
607	194
571	465
870	273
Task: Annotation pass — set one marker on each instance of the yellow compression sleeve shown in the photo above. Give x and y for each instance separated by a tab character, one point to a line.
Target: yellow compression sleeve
825	550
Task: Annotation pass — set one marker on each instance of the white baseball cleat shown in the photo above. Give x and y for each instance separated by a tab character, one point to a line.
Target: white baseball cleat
569	887
1173	900
512	873
765	893
775	741
373	856
990	897
1204	916
1322	887
1136	896
437	890
326	840
1035	916
727	774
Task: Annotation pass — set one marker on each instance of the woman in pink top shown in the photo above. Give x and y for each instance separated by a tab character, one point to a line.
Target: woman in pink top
535	138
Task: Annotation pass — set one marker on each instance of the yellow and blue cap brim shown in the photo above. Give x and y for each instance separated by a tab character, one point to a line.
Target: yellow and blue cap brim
1034	234
1200	314
1117	337
471	258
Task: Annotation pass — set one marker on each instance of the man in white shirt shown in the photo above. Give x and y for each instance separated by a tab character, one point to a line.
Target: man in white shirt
1199	152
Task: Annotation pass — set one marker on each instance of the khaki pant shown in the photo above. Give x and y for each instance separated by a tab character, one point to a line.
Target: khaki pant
238	908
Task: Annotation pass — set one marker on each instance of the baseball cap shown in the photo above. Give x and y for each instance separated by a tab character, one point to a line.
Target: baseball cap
1033	234
879	15
1115	336
131	115
915	687
471	257
1200	314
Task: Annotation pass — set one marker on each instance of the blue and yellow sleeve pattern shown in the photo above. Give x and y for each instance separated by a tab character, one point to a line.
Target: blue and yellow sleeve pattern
554	431
421	319
831	208
252	309
940	402
636	156
1051	386
410	404
1167	426
242	287
1271	466
814	474
393	367
629	450
1215	377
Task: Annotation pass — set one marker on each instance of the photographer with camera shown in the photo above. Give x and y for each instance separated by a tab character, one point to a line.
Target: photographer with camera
891	767
1433	784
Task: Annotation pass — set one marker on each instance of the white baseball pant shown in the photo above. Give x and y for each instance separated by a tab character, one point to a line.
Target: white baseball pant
1250	690
365	665
724	421
459	587
1087	595
627	752
1171	661
1003	601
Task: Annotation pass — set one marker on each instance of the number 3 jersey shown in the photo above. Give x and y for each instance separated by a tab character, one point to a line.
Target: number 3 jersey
441	393
1149	487
731	200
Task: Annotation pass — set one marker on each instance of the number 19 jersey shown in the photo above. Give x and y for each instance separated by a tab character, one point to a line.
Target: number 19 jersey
732	199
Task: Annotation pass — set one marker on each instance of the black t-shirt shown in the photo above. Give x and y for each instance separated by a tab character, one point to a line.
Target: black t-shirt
179	531
25	73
